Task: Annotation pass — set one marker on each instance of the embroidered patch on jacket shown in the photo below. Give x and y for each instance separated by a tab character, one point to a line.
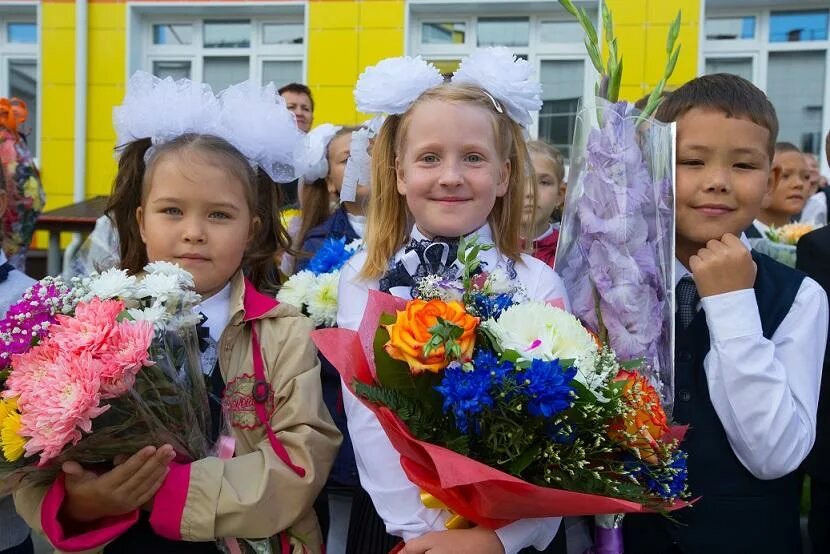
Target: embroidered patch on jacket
239	405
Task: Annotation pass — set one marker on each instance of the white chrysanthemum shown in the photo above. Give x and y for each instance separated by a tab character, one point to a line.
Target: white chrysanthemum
295	291
113	283
539	331
160	286
186	319
508	78
156	314
167	268
322	301
499	283
394	84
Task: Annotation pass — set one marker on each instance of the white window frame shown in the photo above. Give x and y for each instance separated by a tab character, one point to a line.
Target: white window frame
760	48
536	51
21	12
144	52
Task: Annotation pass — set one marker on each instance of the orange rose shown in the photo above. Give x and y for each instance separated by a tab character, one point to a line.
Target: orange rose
645	421
410	332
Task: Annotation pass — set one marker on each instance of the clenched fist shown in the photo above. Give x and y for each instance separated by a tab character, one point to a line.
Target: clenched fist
722	266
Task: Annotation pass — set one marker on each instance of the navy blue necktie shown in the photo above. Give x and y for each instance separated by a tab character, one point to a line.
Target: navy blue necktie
687	300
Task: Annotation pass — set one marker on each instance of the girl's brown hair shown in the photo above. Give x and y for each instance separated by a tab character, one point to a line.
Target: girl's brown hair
133	178
315	199
388	217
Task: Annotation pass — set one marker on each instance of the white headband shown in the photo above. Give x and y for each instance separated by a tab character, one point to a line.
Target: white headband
253	119
391	86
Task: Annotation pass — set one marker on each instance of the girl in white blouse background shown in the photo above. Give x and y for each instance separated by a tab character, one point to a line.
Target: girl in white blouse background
453	163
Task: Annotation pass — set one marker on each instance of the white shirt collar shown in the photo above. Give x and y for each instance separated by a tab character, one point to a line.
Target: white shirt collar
2	257
761	226
358	223
485	234
217	309
681	271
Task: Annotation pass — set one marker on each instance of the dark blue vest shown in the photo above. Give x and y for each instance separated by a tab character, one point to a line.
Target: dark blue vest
737	512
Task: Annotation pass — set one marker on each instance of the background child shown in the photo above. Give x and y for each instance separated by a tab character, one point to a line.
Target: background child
198	202
319	222
748	364
787	198
543	211
453	163
14	533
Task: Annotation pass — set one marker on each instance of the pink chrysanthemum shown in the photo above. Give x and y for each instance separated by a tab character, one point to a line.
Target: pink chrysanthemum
125	353
90	327
64	405
30	370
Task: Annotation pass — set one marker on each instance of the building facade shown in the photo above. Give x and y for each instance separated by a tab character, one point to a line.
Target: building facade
781	45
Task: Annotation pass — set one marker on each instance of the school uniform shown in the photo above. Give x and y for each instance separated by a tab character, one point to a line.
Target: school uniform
13	283
747	372
544	246
396	498
813	257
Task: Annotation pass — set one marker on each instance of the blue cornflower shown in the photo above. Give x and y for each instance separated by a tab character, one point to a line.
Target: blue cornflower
489	306
560	434
486	360
546	385
331	256
668	481
466	393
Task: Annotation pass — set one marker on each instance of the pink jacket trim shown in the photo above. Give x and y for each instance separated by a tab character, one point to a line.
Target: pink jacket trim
105	530
168	505
255	303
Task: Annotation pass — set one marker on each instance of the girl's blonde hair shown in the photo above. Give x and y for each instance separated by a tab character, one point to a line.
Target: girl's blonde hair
388	218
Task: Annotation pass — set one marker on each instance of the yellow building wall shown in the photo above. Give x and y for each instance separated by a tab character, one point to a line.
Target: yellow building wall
344	37
641	27
106	69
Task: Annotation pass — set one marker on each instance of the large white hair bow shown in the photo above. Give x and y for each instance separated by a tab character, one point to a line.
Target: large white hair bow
311	159
391	86
253	119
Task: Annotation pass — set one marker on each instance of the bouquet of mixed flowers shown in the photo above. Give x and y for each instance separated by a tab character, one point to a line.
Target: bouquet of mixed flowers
102	366
314	289
503	408
780	242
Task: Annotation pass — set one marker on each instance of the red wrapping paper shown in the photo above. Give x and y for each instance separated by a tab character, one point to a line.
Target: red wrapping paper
482	494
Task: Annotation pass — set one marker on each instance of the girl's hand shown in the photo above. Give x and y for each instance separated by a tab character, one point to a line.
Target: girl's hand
477	540
127	487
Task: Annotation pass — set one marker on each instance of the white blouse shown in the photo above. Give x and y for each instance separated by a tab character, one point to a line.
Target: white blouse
397	499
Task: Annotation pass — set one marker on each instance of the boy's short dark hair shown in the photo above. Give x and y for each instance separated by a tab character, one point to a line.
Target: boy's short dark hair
733	95
786	147
298	88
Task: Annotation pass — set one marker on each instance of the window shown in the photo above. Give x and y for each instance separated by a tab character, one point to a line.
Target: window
443	33
784	53
741	67
561	31
562	88
730	28
19	67
503	31
797	103
224	50
798	26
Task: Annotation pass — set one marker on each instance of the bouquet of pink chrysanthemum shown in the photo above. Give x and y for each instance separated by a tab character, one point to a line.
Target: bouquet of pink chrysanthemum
100	367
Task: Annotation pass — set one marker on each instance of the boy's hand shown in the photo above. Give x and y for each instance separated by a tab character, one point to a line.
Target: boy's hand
125	488
722	266
477	540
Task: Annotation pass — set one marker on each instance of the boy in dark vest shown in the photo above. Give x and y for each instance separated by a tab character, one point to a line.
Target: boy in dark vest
750	337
